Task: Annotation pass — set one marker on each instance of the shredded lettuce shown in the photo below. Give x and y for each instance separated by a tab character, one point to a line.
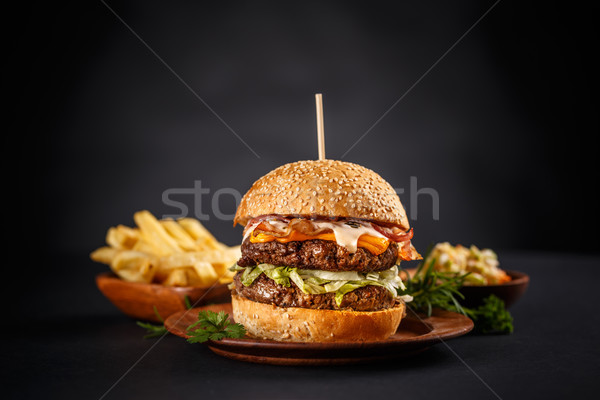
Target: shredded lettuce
249	275
334	286
307	285
319	282
280	275
332	276
348	287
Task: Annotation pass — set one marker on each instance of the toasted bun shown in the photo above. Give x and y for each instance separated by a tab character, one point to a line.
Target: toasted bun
293	324
324	188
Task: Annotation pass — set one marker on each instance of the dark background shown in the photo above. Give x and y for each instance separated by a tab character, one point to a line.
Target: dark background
501	128
97	127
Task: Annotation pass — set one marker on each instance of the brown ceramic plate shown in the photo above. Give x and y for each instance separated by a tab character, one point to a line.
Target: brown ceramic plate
415	334
510	292
138	300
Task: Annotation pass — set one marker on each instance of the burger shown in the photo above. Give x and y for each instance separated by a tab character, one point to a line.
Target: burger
320	253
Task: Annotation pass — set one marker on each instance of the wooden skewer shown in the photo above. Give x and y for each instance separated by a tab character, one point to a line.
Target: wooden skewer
320	127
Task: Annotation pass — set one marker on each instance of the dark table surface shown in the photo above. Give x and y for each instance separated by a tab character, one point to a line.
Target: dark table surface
63	339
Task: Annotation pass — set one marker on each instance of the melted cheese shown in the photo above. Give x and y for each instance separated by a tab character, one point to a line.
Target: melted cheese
344	235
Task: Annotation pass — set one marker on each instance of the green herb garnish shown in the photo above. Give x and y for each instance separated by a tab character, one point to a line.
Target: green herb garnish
430	289
188	303
492	316
214	326
152	330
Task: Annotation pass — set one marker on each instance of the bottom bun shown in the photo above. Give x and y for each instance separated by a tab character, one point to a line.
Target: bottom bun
294	324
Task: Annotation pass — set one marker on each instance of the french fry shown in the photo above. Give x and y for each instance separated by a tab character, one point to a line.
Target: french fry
151	245
122	237
154	232
181	236
145	247
104	255
222	260
183	277
129	236
204	239
177	277
166	264
133	266
206	273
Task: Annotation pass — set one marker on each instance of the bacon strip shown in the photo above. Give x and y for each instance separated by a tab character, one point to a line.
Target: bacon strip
261	225
408	252
268	217
394	234
266	227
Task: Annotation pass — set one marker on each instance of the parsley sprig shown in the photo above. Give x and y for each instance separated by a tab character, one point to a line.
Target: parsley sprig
492	316
210	326
153	331
214	326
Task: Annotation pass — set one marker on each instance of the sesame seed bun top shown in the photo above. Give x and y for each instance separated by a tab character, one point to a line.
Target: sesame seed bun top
323	188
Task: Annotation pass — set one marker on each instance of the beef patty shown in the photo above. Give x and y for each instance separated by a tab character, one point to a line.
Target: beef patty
266	290
317	254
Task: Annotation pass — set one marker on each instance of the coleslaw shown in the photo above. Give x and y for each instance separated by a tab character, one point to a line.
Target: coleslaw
482	265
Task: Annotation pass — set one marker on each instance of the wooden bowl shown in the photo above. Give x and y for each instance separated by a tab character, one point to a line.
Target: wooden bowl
138	300
510	292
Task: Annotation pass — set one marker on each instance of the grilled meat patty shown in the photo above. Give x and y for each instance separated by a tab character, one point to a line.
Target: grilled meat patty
317	254
266	290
